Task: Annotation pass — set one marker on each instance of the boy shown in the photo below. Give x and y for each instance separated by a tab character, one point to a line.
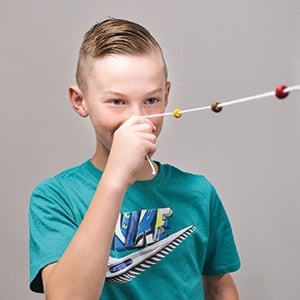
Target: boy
110	228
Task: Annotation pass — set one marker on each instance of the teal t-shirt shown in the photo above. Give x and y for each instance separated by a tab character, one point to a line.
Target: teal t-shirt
171	230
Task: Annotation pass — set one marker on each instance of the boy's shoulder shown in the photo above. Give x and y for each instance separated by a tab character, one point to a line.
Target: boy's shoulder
175	173
75	173
71	171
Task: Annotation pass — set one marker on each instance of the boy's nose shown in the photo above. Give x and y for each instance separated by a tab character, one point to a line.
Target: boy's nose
137	110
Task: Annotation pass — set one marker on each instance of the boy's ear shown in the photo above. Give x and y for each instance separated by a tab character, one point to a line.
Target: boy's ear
77	101
167	92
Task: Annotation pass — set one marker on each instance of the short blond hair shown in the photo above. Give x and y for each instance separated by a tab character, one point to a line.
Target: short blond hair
114	36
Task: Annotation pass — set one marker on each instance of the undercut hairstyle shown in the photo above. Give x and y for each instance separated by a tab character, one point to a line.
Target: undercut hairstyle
114	36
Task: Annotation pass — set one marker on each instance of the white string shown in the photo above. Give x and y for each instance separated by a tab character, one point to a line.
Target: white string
241	100
292	88
194	109
256	97
158	115
260	96
151	164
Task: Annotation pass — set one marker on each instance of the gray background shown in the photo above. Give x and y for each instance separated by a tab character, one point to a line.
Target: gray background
216	50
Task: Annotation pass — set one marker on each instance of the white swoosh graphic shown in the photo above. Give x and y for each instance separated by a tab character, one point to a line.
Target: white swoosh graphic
124	269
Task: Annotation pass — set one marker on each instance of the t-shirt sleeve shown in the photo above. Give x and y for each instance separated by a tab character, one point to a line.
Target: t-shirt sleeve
221	255
51	228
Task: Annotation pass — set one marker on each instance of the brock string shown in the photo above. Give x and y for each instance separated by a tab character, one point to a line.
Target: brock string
281	92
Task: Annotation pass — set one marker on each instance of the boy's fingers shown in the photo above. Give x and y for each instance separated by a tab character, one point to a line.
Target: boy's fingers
137	120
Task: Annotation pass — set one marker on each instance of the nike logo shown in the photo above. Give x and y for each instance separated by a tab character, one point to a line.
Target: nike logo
121	270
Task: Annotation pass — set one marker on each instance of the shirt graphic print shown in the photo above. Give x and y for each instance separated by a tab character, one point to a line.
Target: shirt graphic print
145	232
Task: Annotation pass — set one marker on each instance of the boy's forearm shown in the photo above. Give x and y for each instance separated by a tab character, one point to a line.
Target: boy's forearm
80	273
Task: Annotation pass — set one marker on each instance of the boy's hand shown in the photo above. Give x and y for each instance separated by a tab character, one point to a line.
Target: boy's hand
133	140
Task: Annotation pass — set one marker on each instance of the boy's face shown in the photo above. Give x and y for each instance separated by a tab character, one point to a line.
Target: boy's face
121	86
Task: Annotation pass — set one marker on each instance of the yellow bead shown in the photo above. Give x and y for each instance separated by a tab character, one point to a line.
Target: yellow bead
177	113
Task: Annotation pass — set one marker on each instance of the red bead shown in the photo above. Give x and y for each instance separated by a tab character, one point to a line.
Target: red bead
280	93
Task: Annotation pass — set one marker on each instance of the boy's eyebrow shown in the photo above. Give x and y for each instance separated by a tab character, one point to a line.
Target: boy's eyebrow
119	94
113	93
157	90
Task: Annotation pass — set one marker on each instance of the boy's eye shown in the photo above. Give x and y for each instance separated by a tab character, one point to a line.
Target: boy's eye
117	102
152	101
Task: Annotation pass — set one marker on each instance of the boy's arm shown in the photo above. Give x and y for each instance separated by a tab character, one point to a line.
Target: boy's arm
220	287
85	259
80	273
